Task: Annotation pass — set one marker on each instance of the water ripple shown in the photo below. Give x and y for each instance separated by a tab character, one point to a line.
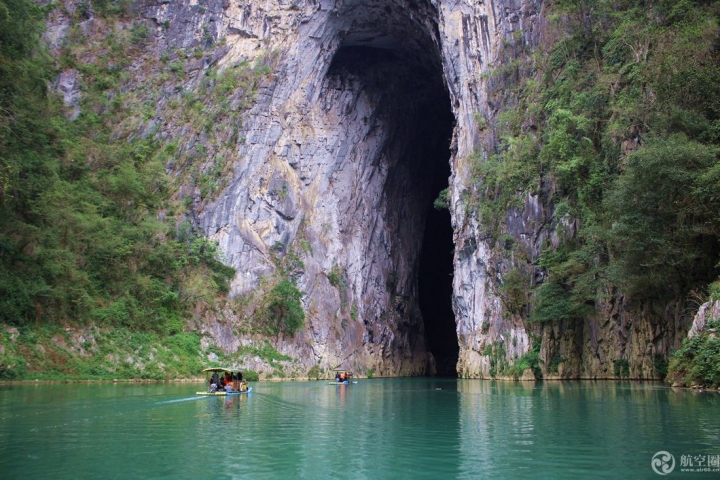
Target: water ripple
402	428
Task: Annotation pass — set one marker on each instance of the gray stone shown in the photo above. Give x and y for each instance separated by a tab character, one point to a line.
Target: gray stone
69	87
323	157
707	311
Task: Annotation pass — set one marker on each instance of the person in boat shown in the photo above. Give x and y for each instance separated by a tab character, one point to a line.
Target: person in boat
213	386
228	387
337	377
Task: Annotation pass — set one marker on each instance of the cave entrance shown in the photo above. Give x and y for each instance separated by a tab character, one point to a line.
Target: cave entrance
435	285
391	53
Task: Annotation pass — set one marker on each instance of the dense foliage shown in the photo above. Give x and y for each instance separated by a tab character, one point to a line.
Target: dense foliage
100	267
529	360
284	310
81	239
38	353
698	361
615	124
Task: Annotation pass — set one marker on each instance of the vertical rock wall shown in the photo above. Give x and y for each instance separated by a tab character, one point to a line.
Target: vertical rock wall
474	38
334	156
330	166
327	159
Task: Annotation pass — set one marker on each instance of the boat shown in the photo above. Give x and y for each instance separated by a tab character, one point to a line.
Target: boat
339	374
217	377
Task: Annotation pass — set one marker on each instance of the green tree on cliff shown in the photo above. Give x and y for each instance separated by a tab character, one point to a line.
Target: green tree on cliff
80	239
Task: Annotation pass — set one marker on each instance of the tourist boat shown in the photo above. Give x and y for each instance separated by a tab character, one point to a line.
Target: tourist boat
218	376
338	373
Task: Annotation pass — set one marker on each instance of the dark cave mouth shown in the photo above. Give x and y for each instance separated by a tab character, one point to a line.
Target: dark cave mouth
435	293
408	76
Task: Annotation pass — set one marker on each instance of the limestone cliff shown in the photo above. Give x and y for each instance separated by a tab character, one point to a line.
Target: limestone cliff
337	161
342	151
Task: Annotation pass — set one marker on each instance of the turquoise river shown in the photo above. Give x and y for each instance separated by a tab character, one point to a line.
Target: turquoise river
376	429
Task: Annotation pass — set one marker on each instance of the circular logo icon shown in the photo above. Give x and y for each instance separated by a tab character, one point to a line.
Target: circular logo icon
662	463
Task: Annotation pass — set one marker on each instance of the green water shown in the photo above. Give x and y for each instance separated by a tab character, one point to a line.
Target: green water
384	428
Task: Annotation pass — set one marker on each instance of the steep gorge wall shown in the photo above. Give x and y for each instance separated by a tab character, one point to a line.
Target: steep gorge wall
328	159
338	155
335	163
333	155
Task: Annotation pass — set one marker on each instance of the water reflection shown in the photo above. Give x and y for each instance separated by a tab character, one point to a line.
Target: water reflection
573	428
399	428
341	391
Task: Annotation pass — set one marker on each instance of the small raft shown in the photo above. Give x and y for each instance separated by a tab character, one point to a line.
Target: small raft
341	373
218	379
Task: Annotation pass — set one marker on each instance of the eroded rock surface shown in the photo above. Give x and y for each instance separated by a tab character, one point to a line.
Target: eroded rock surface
337	162
340	152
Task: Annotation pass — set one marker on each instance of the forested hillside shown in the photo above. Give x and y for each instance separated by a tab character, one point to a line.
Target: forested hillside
621	116
91	232
614	122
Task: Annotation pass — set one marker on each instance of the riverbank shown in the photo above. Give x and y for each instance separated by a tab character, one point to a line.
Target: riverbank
57	354
91	353
201	380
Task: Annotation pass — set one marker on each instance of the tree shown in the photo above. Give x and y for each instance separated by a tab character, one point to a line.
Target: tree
284	309
664	214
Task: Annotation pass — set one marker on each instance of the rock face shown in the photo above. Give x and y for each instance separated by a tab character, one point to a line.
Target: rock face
343	152
370	113
707	311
